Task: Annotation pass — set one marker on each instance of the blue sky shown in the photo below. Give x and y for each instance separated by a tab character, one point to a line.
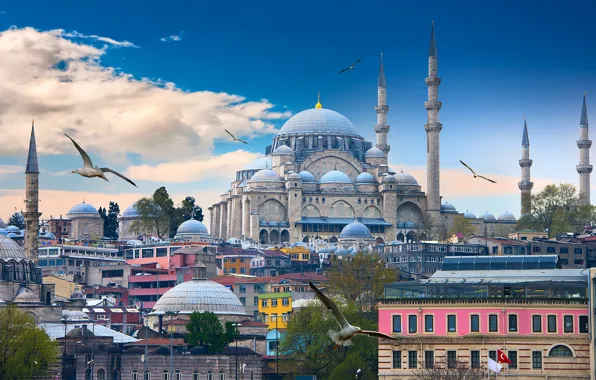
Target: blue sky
498	62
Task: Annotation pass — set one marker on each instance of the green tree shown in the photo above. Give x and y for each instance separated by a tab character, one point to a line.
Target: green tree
462	226
155	213
17	219
103	214
190	210
110	226
205	329
26	351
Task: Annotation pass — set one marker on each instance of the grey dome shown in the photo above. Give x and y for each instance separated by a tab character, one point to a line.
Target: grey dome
135	350
335	176
77	295
374	152
405	179
320	121
389	178
266	175
9	249
13	229
294	176
507	216
448	208
283	150
199	295
131	211
25	295
78	332
192	227
162	350
355	230
83	210
488	217
258	164
366	177
307	177
469	215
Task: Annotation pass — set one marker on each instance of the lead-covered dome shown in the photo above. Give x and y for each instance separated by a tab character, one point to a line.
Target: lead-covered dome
9	249
266	175
192	227
488	217
131	212
469	215
307	177
405	179
355	230
283	150
374	152
507	217
335	176
448	208
319	121
2	224
365	177
82	209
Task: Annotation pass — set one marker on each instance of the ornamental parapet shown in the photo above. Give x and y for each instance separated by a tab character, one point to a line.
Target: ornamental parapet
584	144
583	169
433	81
482	301
433	105
525	162
382	128
433	127
525	185
382	108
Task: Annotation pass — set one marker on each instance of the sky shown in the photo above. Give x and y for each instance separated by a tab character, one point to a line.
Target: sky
147	88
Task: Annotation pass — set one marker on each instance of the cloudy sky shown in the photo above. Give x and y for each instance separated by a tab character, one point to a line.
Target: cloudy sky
148	90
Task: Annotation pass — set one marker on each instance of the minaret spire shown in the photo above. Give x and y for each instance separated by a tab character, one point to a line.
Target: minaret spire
525	185
32	213
318	105
382	128
584	168
433	129
32	165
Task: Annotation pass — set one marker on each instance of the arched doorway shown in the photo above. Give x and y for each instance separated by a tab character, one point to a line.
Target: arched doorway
379	240
274	236
400	237
412	236
264	237
285	236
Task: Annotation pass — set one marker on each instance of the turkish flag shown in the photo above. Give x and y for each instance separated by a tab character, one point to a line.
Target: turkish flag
502	358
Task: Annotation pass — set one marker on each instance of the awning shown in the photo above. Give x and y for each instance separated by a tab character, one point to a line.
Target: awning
365	221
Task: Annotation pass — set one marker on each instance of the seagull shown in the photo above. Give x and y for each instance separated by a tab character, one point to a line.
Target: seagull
344	336
234	137
89	171
476	175
351	67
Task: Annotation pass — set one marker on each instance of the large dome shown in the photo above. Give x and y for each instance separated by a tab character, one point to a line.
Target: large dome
266	175
200	295
374	152
9	249
355	230
405	179
320	121
335	176
83	208
192	227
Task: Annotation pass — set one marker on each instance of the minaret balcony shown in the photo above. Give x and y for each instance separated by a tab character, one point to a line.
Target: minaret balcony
433	81
433	127
382	128
433	105
583	169
382	108
582	144
525	185
525	162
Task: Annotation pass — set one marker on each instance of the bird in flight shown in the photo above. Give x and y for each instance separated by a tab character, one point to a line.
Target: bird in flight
476	175
234	137
344	336
89	171
351	67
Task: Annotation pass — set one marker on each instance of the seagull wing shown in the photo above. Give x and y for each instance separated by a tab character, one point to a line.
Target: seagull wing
464	164
331	306
346	69
108	170
86	160
242	141
489	180
377	334
355	63
228	132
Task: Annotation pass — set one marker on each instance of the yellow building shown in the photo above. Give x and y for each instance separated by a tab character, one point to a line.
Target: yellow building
64	284
299	254
275	309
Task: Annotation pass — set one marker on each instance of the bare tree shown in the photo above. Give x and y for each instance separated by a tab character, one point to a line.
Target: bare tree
459	371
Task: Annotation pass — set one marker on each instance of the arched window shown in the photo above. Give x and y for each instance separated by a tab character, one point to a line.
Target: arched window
148	375
101	374
195	375
222	375
210	375
559	351
88	374
177	375
134	375
166	375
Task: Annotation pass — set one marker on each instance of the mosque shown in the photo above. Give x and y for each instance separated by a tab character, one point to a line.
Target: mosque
320	175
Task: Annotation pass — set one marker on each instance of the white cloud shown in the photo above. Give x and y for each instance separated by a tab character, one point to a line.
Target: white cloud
10	169
174	37
64	86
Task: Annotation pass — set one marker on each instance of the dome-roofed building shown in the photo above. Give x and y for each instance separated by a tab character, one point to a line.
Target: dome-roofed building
488	217
283	150
469	215
365	177
127	229
507	217
193	230
13	230
374	153
447	208
85	222
355	234
266	175
26	296
307	177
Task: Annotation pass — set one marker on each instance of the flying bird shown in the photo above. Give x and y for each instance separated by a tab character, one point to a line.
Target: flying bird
476	175
234	137
351	67
344	336
89	171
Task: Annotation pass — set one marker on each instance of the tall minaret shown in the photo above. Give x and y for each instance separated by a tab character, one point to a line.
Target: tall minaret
32	213
584	168
381	128
525	185
433	129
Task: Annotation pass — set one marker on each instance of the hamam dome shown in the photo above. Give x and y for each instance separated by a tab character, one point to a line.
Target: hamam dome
319	121
9	249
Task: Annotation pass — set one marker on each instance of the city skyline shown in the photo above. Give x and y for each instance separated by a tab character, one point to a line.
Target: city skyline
175	124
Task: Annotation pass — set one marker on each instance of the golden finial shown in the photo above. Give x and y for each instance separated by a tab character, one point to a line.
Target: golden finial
33	122
319	105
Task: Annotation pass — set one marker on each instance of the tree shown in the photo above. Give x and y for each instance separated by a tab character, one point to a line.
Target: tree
156	213
361	280
17	219
190	210
110	226
205	329
441	371
26	351
462	225
103	214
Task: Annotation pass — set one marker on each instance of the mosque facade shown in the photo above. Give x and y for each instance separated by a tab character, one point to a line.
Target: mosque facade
320	174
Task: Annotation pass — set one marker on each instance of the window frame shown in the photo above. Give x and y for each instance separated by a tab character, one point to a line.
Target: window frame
534	360
475	364
393	324
472	324
548	319
452	317
539	316
565	318
410	324
496	331
412	358
397	354
509	324
432	323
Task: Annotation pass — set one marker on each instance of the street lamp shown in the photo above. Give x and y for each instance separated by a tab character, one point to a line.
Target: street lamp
236	325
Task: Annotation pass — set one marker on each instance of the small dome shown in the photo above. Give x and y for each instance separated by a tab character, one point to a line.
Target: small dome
49	235
307	177
9	249
320	121
12	234
82	208
258	164
192	227
374	152
74	316
448	208
162	350
355	230
405	179
335	176
488	217
389	178
13	229
77	295
469	215
131	212
294	176
283	150
365	177
25	295
507	216
409	224
266	175
78	332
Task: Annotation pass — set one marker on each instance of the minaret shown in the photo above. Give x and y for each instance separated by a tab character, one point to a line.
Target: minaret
525	185
381	128
32	213
433	129
584	168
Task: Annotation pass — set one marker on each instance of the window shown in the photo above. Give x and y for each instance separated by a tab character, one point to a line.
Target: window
210	375
412	359
274	302
101	375
552	323
412	324
451	323
560	351
222	375
429	359
550	249
536	323
568	324
177	375
513	322
493	323
166	374
577	251
428	324
242	288
451	359
563	250
243	300
397	324
474	323
195	375
583	324
492	355
256	301
396	359
512	355
148	375
536	360
264	303
134	375
475	359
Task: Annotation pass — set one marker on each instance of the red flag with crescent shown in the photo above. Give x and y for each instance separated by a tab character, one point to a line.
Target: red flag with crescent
502	358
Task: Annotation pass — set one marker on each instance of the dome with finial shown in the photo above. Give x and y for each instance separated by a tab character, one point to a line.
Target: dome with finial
507	217
9	249
319	105
469	215
83	210
26	295
405	179
488	217
374	152
283	150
